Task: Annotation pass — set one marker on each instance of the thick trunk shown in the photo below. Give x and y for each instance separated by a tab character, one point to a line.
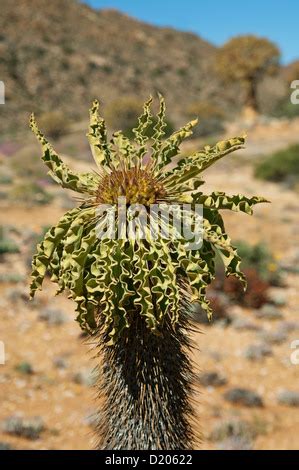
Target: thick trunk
251	91
147	382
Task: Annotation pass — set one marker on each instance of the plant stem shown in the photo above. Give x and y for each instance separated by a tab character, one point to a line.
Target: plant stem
147	383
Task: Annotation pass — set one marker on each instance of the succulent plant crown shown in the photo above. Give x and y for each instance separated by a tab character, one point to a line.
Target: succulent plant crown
120	277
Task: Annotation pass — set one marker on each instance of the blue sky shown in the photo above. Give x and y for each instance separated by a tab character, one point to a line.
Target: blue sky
219	20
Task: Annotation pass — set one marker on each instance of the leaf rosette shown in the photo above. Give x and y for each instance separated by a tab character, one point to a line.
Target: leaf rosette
152	276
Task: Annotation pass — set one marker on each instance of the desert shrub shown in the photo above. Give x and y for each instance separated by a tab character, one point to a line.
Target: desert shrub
5	179
7	245
27	164
260	258
11	277
3	195
144	316
232	428
286	109
261	270
54	124
256	294
5	176
211	118
25	368
123	114
30	193
282	166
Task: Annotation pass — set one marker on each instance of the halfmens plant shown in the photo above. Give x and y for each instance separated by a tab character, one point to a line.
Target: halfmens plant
133	295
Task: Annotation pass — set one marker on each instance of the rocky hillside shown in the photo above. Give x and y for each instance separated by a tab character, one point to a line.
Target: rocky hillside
63	54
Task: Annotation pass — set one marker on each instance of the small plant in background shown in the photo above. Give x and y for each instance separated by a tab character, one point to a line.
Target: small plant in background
256	294
27	167
227	291
55	124
262	272
7	245
30	178
30	193
123	113
134	295
259	258
25	368
5	177
286	109
282	166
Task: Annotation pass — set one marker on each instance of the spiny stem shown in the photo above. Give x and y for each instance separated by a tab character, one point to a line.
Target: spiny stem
147	383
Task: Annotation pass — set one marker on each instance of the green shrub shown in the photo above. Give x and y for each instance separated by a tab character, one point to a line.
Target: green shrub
123	113
282	166
256	294
286	109
27	165
30	193
25	368
5	177
11	277
260	258
54	124
6	244
262	271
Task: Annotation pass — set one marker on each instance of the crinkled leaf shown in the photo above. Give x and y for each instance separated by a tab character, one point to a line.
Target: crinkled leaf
59	171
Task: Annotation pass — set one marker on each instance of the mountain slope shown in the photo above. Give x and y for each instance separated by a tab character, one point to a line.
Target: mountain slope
63	54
